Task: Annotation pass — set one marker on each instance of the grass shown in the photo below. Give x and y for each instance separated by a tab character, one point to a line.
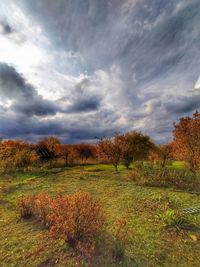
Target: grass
25	243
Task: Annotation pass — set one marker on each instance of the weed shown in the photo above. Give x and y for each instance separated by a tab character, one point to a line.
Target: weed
26	206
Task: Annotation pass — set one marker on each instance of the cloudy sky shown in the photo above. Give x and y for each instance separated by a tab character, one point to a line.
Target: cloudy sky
85	69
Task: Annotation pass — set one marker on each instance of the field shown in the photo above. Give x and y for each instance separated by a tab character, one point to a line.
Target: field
148	243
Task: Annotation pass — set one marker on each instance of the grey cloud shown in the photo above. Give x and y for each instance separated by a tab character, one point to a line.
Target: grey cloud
184	104
5	28
32	129
85	105
25	98
11	33
82	99
154	44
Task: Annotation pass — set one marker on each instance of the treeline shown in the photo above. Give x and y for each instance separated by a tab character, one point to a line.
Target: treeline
119	149
49	152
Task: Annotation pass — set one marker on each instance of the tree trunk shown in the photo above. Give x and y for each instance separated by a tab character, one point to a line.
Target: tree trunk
116	168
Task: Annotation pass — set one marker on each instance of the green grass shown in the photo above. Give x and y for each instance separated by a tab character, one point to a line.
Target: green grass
178	164
25	243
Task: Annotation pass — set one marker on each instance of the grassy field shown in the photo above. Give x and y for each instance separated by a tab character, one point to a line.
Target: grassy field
25	243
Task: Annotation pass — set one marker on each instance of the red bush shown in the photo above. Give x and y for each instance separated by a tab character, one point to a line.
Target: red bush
74	218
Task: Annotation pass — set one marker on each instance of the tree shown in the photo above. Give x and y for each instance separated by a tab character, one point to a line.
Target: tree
161	154
66	152
186	143
16	155
135	146
49	148
110	149
85	151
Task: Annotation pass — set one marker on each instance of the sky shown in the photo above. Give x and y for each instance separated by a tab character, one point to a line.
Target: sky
86	69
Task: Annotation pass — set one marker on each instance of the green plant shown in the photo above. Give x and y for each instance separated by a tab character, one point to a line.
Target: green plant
175	219
150	175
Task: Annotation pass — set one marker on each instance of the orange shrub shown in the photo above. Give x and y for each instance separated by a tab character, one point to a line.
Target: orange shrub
74	218
26	206
77	217
42	208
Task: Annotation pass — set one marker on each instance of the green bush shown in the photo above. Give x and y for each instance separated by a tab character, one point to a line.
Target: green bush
175	220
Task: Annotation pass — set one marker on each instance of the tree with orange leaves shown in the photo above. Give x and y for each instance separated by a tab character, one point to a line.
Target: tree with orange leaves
16	155
135	146
49	148
111	150
186	144
161	154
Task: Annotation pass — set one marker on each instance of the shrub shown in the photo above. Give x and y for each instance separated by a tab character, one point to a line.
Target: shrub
43	208
26	206
77	217
175	220
150	175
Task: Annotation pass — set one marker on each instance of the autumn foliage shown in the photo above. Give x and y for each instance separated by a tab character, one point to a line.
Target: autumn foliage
125	148
135	147
119	149
73	218
26	206
110	149
186	142
76	217
17	155
161	155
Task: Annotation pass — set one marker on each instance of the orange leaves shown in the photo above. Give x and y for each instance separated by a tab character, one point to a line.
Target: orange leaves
76	217
16	155
161	155
135	146
72	218
125	148
42	208
111	150
186	143
26	206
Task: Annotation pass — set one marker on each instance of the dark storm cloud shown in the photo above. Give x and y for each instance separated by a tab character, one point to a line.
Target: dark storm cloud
25	99
82	100
153	43
85	105
33	129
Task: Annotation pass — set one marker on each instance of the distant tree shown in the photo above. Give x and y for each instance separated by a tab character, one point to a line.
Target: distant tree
85	151
135	146
73	157
49	148
186	144
16	155
111	150
66	149
161	154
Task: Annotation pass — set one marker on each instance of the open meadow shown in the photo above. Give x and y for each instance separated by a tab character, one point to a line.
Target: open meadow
146	240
